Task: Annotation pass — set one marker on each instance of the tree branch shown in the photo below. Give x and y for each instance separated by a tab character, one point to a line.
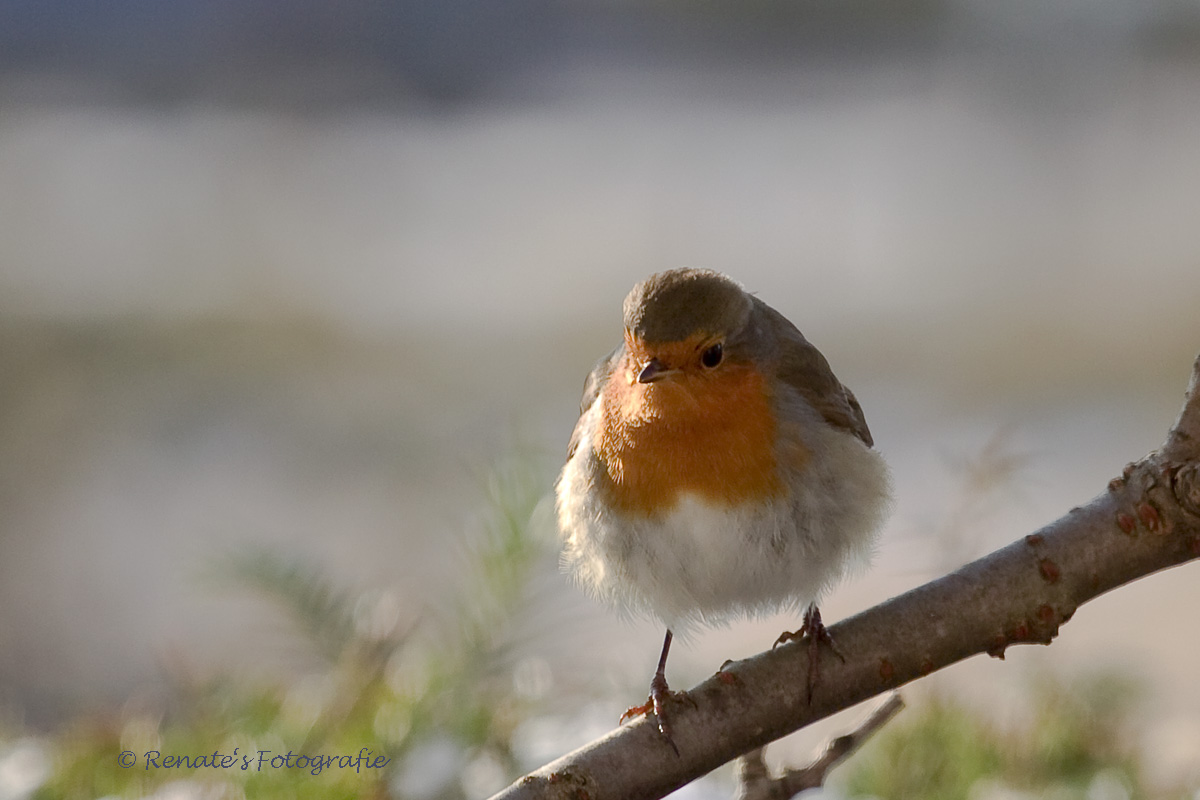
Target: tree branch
756	782
1147	520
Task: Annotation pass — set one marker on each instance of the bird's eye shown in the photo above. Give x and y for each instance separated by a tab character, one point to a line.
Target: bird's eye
712	356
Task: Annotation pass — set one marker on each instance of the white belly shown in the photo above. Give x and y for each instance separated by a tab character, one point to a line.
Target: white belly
708	564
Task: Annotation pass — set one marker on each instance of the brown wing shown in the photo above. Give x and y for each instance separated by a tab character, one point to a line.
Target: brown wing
591	390
803	368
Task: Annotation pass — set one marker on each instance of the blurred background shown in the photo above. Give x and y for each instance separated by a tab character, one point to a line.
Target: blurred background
296	303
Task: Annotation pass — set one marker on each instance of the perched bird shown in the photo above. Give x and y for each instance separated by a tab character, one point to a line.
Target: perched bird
718	468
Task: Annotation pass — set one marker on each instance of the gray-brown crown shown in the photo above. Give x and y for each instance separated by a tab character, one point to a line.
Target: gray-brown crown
671	306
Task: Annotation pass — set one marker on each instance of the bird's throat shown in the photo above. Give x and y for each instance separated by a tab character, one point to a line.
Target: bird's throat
712	436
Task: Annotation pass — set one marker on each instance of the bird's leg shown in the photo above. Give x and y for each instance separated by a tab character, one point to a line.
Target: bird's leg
659	693
815	631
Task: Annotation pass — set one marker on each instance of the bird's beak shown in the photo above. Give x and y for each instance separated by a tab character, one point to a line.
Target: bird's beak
653	370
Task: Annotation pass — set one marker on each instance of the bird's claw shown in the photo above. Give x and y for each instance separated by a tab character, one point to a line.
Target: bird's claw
817	634
636	711
660	694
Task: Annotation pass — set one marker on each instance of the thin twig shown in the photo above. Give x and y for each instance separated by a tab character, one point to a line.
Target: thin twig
757	783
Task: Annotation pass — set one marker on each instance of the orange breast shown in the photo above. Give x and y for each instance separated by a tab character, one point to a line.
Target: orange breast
711	434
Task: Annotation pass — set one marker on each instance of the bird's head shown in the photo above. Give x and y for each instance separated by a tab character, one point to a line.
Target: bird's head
684	323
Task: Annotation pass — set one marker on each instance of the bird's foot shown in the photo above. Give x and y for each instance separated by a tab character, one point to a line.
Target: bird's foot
660	694
817	634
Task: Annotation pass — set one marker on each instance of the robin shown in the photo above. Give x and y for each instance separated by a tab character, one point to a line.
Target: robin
718	470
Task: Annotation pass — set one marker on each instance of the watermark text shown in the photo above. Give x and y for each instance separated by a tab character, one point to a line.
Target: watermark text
257	761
